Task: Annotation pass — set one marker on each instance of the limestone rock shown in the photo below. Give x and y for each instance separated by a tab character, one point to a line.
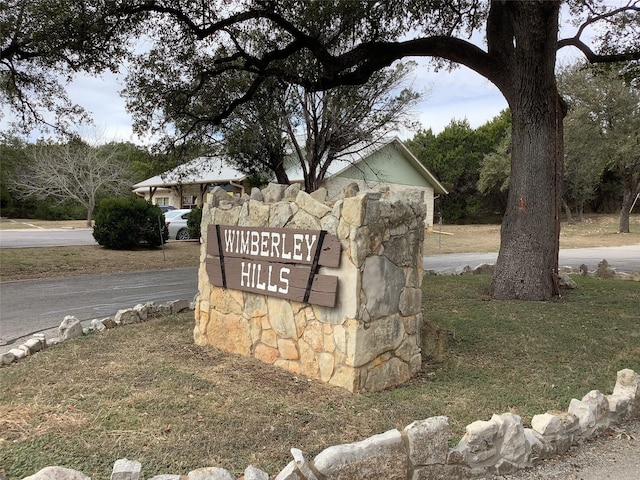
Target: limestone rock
125	469
178	306
320	194
126	317
280	214
387	374
379	456
628	385
98	325
302	464
70	328
547	424
292	191
34	345
600	402
564	280
210	473
256	194
513	447
382	282
351	190
215	195
484	269
253	473
273	192
290	472
604	270
428	441
618	406
353	209
586	414
7	358
479	441
311	205
57	473
144	310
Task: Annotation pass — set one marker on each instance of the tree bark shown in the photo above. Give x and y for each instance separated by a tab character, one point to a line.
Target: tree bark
528	259
567	212
627	199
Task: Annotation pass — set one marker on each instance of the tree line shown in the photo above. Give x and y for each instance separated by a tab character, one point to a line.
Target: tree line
66	179
601	152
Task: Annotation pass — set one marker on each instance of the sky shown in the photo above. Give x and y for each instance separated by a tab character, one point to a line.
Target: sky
456	95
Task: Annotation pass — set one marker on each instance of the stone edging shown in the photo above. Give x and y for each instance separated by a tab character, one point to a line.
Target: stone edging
420	451
71	327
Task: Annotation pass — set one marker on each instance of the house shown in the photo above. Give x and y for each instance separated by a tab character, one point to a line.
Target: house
388	163
186	185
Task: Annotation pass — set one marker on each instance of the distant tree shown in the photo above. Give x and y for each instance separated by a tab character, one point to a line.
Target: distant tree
72	171
314	127
43	43
254	136
455	156
495	169
12	154
602	131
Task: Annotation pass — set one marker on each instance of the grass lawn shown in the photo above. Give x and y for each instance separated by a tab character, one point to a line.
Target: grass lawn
146	392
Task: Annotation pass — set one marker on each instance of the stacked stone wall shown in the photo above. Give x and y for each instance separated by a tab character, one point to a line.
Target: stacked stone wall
370	340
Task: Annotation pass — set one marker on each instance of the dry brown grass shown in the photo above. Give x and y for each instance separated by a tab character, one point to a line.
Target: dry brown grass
594	231
146	392
29	263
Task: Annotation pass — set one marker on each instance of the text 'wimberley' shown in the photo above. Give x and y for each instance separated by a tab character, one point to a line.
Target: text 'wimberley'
280	262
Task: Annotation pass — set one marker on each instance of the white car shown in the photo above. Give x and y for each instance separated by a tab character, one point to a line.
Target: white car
176	221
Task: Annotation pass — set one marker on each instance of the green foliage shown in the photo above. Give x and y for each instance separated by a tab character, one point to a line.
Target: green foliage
601	133
125	223
194	218
455	157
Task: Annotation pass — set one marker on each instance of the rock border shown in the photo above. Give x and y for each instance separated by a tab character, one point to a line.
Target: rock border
71	327
420	451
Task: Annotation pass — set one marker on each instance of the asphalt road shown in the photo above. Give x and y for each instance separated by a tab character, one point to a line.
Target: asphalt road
30	306
623	259
51	237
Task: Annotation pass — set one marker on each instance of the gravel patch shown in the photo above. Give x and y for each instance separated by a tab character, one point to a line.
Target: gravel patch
614	455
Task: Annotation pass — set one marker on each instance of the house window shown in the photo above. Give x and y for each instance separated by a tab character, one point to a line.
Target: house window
189	201
162	201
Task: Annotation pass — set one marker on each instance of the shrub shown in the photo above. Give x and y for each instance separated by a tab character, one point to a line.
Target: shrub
122	223
193	222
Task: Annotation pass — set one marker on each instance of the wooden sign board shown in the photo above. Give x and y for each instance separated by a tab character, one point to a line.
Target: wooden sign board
277	262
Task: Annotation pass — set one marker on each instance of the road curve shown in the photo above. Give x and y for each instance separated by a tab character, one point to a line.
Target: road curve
30	306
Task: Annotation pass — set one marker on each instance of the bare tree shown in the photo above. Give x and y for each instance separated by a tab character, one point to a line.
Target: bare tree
73	171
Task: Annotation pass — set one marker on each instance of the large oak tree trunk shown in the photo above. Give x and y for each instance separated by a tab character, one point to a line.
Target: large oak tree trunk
527	262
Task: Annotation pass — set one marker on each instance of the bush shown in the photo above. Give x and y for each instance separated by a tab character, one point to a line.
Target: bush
193	222
122	223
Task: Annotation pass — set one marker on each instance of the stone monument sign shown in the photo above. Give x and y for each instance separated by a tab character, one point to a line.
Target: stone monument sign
327	290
